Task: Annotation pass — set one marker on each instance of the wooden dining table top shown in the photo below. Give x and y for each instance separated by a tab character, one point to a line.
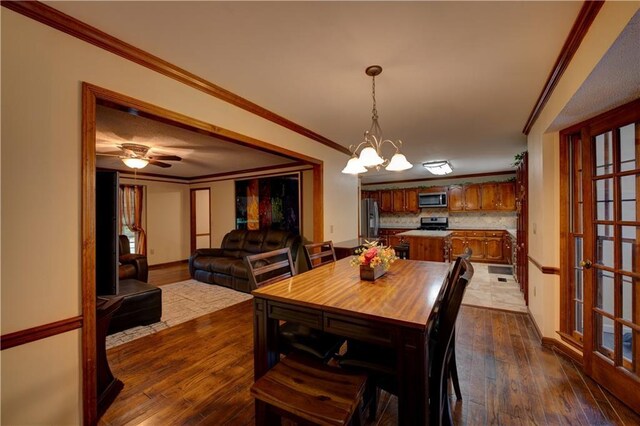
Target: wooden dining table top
405	295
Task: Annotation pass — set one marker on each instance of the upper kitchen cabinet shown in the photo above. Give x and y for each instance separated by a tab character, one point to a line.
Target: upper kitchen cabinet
385	201
402	201
472	197
456	198
374	195
493	196
507	194
411	200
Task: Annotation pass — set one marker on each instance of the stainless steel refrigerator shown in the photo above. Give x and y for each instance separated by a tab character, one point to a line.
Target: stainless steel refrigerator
369	218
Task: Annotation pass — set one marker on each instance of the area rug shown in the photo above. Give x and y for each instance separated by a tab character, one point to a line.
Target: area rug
182	301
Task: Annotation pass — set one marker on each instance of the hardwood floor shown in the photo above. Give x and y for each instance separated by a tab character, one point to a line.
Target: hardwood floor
199	372
169	274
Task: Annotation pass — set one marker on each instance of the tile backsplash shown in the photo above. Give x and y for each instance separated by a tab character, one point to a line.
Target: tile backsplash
500	220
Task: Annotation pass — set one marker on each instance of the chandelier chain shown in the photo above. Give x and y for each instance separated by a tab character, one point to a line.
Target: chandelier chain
374	111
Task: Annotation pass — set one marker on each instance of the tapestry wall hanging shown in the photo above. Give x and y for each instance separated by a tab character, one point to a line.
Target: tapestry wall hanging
269	203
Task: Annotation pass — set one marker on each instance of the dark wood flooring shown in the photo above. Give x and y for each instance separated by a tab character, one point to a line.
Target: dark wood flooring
199	373
169	274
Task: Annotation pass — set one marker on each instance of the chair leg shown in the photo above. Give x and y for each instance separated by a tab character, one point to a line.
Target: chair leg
371	398
453	372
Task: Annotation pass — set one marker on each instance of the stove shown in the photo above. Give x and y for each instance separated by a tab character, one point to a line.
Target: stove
437	223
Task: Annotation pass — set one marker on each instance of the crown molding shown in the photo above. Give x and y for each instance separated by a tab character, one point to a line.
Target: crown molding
585	18
49	16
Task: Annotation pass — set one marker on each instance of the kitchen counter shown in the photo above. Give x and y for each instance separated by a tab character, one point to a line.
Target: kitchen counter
407	226
423	233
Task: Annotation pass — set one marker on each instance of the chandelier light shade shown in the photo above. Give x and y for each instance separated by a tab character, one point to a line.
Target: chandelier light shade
370	148
438	167
354	166
135	163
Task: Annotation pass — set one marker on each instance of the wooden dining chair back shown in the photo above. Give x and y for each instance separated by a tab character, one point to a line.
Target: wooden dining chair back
268	268
307	391
318	254
440	412
272	266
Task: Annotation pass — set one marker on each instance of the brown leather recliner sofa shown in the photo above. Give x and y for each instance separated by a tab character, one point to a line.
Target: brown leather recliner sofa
225	265
131	265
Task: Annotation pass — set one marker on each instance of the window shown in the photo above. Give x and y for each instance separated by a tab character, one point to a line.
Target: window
131	208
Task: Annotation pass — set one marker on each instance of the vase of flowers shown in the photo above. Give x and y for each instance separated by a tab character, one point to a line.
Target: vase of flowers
374	260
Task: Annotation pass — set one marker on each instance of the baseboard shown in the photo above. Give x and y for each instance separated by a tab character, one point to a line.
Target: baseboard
168	264
535	325
493	309
563	349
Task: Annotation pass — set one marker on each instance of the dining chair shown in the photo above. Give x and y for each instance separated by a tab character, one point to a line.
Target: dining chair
308	391
270	267
318	254
379	363
440	360
273	266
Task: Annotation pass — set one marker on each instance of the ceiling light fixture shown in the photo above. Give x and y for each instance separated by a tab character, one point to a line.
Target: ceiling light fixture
438	167
371	154
135	163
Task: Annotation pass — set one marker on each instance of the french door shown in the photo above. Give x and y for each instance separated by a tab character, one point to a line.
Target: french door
608	259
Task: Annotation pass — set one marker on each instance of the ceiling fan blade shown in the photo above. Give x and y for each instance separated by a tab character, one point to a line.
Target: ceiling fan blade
165	157
110	154
159	163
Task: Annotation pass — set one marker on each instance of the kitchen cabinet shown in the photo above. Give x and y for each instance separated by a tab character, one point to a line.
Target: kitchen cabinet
494	251
472	197
426	248
387	235
374	195
486	246
385	202
411	200
507	196
508	247
491	196
405	200
455	198
498	196
464	198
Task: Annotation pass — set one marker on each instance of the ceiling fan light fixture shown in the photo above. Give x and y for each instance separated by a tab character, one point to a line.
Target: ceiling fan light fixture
370	155
135	163
438	167
398	163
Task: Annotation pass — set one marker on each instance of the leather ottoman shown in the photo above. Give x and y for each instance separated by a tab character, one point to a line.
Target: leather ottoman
141	305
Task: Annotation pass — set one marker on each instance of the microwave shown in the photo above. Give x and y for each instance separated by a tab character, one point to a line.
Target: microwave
432	199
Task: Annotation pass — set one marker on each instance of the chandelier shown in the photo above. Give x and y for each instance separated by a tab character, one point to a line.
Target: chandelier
371	153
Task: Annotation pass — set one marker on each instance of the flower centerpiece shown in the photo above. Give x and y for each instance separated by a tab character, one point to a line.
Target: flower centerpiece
374	260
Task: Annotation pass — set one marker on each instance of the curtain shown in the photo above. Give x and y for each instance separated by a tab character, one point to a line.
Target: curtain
131	202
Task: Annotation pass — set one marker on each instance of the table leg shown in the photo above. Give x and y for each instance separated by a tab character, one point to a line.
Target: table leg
265	335
413	379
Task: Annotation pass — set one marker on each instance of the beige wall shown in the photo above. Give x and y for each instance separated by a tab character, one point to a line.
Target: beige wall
543	146
42	72
441	182
167	220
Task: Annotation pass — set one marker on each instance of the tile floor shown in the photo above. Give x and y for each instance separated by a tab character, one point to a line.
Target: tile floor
485	290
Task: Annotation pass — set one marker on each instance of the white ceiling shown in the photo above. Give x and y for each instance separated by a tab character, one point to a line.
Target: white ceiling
459	79
613	82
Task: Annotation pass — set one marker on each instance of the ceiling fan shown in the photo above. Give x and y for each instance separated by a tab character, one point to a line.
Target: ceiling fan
137	156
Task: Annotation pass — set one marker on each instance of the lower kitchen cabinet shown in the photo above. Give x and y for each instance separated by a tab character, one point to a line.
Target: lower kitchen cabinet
426	248
486	246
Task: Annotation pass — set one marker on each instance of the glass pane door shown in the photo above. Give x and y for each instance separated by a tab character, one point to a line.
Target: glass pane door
612	258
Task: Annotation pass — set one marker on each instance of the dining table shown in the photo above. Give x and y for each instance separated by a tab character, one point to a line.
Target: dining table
394	311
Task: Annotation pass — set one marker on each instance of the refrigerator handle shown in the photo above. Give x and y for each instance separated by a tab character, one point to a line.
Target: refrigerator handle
376	220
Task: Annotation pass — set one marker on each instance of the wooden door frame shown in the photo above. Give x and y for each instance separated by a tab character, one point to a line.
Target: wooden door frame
91	96
192	216
587	130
